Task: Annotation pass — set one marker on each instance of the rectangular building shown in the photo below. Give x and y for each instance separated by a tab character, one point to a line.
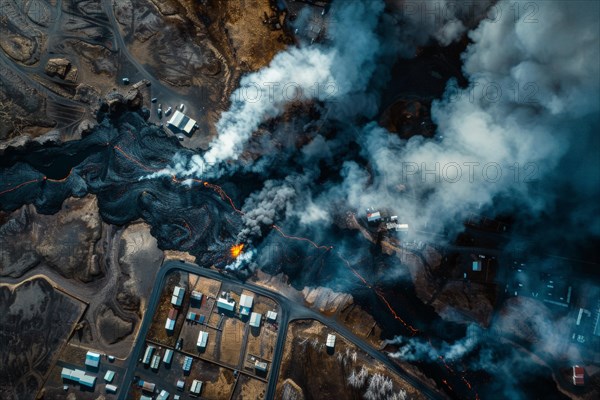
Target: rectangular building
202	339
163	395
147	386
111	388
181	122
148	354
92	359
168	356
196	387
196	296
109	376
578	375
177	297
255	320
246	304
88	380
155	362
170	325
260	366
66	373
187	363
224	304
272	316
330	340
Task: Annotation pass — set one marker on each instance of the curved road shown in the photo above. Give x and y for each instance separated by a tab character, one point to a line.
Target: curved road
289	311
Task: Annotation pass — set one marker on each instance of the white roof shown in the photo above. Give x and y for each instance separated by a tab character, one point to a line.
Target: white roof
197	295
255	319
111	388
246	301
87	380
148	354
92	359
272	315
224	303
202	339
373	216
170	324
177	297
168	356
164	395
182	121
196	386
108	377
330	340
260	365
77	374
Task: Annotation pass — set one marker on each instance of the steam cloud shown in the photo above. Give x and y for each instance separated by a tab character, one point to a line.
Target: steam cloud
531	101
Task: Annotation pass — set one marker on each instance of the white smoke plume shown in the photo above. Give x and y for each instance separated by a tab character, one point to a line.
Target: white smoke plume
242	260
535	105
325	72
416	349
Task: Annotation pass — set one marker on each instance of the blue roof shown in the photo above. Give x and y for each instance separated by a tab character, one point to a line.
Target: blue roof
92	359
187	363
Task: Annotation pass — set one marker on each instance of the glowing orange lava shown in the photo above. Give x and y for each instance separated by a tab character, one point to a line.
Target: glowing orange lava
236	250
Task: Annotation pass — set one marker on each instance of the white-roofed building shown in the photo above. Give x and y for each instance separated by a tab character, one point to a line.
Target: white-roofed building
330	340
177	297
168	356
224	304
111	388
92	359
272	316
155	362
255	320
77	374
196	386
87	380
202	339
170	324
66	373
260	366
246	304
373	216
182	122
163	395
148	355
109	376
196	296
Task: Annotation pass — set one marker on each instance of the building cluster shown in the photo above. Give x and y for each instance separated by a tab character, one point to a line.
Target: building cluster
540	285
176	302
152	358
224	304
375	218
587	325
85	378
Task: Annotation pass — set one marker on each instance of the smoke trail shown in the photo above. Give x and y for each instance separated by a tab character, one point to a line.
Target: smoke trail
482	137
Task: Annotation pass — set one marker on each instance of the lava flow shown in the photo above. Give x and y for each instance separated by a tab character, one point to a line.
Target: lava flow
223	195
18	186
278	229
236	250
